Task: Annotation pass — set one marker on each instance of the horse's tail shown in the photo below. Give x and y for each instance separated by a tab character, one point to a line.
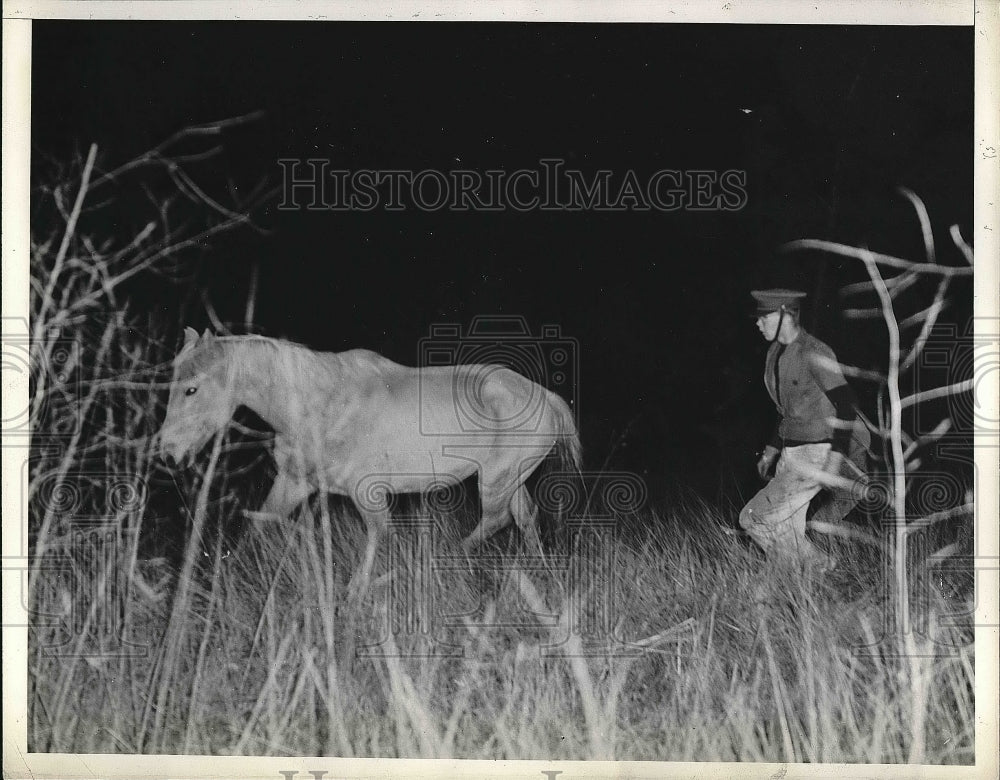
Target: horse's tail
568	447
566	490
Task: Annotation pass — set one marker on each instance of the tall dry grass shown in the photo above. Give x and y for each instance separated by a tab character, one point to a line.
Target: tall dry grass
258	654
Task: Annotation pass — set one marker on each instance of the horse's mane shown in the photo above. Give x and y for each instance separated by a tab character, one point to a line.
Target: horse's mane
272	340
207	352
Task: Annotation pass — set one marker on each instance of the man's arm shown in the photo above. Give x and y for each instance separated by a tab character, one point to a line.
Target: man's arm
845	402
826	370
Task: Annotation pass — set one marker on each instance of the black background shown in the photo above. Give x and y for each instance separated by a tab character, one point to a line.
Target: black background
826	122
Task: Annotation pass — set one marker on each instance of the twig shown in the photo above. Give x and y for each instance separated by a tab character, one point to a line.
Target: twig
671	633
844	531
212	314
939	430
938	392
932	313
925	222
210	128
138	268
251	296
848	370
866	255
898	464
895	284
963	247
862	314
185	183
47	296
946	514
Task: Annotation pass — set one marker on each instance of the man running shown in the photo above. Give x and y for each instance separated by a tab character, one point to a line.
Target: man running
819	429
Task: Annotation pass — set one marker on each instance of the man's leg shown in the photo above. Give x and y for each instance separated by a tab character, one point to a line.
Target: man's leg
776	517
832	506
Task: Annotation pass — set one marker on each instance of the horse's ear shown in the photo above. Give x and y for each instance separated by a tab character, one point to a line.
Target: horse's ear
207	334
190	340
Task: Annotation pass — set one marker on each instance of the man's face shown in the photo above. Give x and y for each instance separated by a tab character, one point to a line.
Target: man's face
767	324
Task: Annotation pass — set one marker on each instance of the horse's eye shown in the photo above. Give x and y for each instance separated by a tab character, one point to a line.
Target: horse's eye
191	391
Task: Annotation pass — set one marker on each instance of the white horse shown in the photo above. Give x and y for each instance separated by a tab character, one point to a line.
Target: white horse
357	424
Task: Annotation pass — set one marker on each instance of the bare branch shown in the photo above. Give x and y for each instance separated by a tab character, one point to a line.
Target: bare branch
155	154
901	283
944	553
896	284
947	514
939	392
213	317
897	463
670	634
251	296
67	236
845	532
147	262
932	313
825	478
868	423
879	259
925	222
939	430
848	370
178	174
862	314
963	247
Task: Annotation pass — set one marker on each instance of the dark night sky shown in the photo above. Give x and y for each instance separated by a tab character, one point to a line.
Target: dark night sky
838	117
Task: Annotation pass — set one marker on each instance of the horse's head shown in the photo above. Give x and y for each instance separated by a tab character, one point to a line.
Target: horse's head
201	396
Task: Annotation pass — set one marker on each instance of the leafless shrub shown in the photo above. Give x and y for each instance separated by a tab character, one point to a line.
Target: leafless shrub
888	278
98	364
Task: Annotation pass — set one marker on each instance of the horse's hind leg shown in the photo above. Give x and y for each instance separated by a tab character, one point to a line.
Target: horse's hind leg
376	520
525	513
495	506
498	508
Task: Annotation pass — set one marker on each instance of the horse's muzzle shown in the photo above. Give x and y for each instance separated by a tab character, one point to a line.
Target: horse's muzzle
169	454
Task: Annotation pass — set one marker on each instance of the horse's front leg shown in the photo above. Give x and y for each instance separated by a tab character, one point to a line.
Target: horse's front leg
286	494
376	517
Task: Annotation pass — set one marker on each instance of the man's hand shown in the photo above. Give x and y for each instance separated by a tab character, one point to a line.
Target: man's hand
766	462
